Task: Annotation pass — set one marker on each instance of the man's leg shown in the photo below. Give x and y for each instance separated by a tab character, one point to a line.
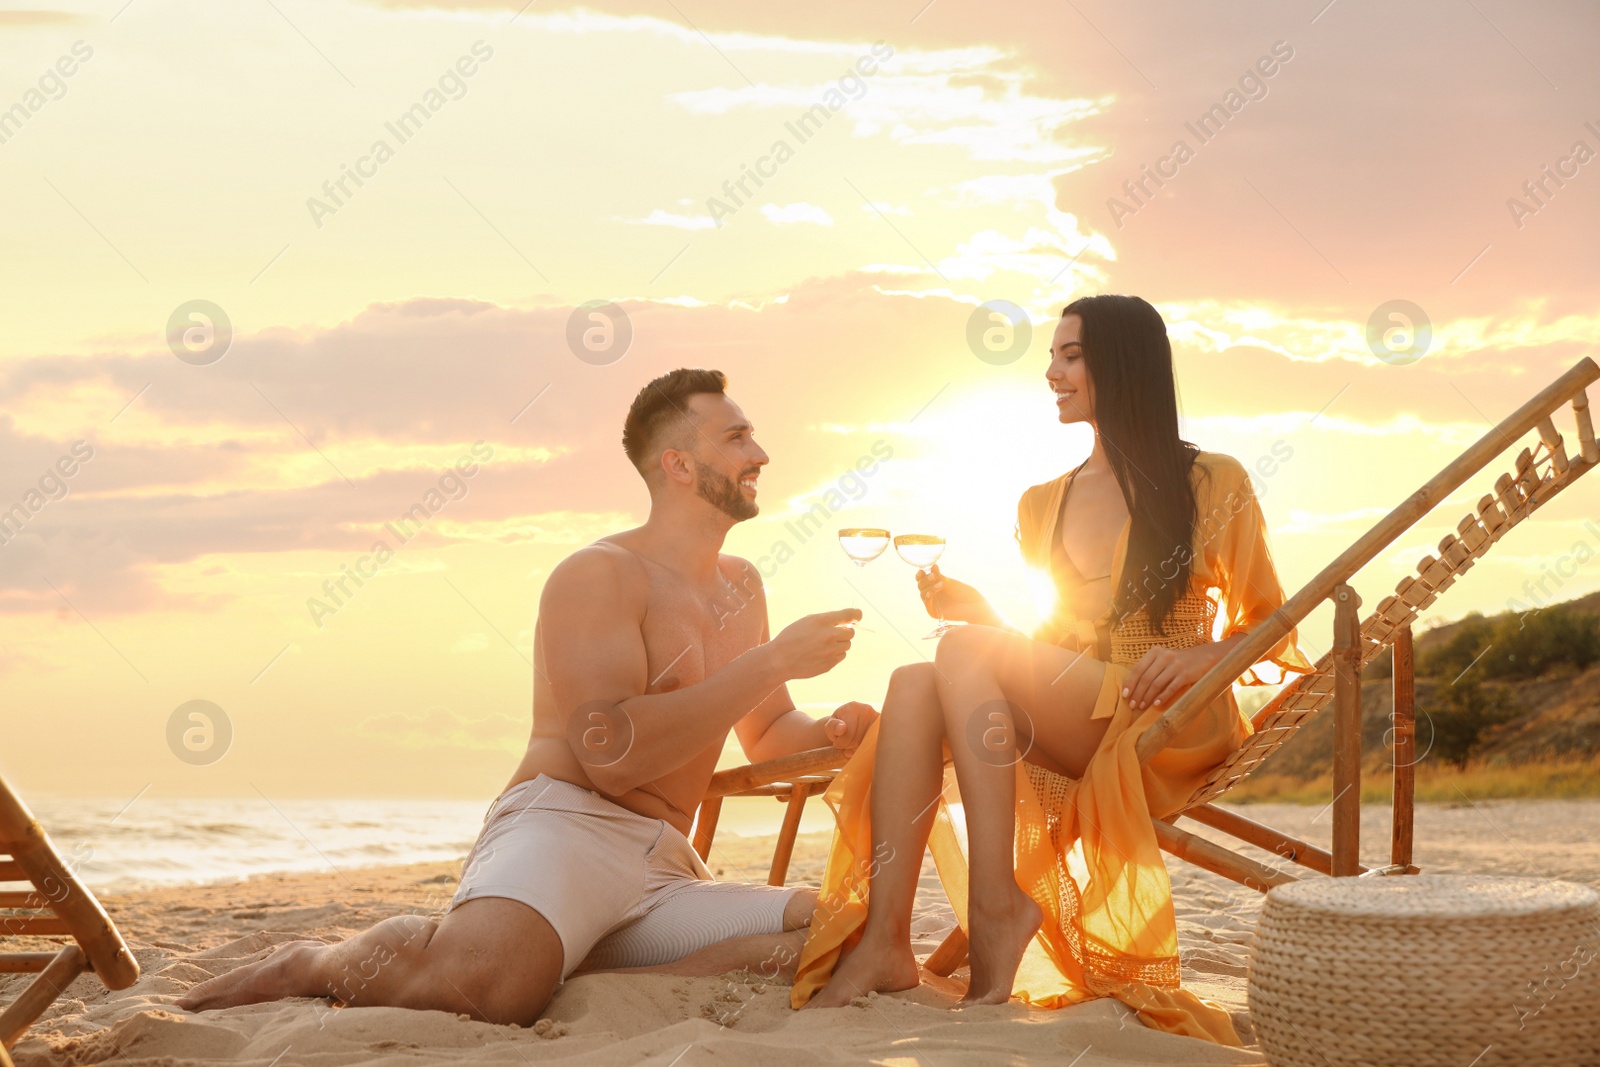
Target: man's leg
692	925
494	959
771	956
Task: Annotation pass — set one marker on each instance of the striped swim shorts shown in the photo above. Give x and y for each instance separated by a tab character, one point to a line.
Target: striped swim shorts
620	889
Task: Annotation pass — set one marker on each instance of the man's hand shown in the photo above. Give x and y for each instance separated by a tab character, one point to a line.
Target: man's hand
849	725
1163	674
815	644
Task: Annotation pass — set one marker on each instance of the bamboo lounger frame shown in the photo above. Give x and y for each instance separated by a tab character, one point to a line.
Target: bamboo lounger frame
57	904
1541	470
1540	473
792	779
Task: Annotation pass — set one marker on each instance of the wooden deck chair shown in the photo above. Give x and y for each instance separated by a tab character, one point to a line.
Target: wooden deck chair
792	779
1541	471
55	904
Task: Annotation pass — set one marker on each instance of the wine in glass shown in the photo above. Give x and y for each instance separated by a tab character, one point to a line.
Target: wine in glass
863	544
923	551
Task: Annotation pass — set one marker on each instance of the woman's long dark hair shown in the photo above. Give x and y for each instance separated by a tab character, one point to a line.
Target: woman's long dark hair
1129	359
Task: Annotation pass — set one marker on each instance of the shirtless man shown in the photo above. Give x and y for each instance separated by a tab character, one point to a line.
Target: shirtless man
650	646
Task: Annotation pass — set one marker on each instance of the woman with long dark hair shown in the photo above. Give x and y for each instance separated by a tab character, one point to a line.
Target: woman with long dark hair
1063	876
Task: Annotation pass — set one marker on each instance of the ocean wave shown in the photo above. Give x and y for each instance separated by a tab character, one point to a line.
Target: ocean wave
163	841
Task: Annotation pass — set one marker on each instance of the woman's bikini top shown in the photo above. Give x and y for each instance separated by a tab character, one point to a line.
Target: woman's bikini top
1058	543
1102	627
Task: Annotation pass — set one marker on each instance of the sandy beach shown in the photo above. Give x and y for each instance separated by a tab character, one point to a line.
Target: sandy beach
183	935
417	409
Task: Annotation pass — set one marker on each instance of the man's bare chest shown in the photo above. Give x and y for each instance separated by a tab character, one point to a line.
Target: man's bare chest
690	633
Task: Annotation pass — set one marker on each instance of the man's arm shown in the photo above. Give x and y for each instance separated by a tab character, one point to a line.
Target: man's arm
784	729
777	728
598	666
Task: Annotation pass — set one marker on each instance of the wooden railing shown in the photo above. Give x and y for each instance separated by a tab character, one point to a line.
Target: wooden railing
1535	413
1338	674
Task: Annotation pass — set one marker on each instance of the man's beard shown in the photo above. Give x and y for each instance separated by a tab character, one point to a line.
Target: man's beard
723	493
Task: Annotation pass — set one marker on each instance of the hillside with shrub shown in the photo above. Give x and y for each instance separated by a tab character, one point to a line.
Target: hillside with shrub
1507	705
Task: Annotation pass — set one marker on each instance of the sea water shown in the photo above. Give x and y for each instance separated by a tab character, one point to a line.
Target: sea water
114	844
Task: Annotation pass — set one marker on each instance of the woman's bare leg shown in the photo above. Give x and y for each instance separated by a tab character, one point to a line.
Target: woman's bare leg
906	780
999	692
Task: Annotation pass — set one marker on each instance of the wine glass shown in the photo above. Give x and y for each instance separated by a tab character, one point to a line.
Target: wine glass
863	544
923	551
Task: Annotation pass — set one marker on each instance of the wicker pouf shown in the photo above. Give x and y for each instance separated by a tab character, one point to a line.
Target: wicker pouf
1454	970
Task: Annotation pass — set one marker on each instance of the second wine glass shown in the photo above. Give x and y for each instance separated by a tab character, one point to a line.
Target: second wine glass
923	551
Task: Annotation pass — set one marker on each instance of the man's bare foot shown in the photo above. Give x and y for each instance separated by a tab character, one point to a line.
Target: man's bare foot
280	973
876	964
1000	936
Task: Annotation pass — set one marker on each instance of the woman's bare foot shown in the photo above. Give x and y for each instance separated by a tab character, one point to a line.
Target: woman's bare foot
1000	935
282	972
876	964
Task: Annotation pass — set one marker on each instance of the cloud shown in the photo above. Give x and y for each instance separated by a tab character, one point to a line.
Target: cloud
659	217
1060	261
958	97
441	727
790	214
583	21
302	441
1330	193
1457	434
1036	187
1053	261
467	644
1217	325
248	458
1301	521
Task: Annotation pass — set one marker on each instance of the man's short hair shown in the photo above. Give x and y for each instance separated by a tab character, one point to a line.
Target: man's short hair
661	407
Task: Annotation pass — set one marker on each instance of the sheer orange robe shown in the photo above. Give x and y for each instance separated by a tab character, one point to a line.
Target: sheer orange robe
1086	850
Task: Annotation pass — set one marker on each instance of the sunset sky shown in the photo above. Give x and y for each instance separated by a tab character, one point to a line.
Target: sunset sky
511	164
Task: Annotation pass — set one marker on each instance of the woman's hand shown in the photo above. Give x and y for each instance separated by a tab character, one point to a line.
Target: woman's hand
1164	674
960	601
